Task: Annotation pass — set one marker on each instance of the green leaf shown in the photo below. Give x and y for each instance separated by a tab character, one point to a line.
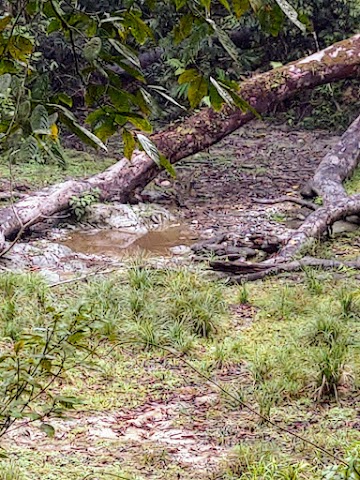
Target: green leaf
5	82
24	110
29	149
225	3
291	13
224	94
56	153
125	52
256	5
206	4
243	104
105	129
39	121
92	49
188	76
119	98
180	3
225	41
48	429
215	99
197	90
19	47
183	29
63	110
54	26
240	7
137	27
65	99
84	134
164	162
271	19
138	121
131	71
4	21
161	91
129	143
149	148
93	93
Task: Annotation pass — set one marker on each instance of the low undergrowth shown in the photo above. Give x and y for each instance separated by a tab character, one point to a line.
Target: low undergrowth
150	339
33	176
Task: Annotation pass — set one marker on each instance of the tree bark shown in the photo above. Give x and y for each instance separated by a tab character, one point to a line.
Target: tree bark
196	133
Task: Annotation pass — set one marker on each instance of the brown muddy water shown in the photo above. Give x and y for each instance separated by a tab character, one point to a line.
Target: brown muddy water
117	243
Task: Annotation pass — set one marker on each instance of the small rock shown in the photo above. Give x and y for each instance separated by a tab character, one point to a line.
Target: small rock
180	250
353	219
165	183
49	276
343	227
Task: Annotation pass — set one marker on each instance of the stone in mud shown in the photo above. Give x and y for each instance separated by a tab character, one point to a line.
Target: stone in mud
180	250
138	218
344	227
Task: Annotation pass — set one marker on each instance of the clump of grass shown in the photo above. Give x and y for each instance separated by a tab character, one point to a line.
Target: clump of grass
349	301
258	461
10	471
330	337
331	369
242	296
284	302
326	329
312	281
158	307
226	353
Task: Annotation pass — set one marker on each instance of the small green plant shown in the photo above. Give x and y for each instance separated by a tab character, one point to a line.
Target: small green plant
326	330
267	395
45	341
79	204
331	368
10	471
349	302
313	283
278	217
243	295
318	201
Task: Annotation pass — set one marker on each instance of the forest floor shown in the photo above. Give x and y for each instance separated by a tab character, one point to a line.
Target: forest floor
288	347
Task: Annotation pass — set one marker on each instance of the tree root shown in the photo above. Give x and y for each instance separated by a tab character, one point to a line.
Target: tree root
297	201
247	271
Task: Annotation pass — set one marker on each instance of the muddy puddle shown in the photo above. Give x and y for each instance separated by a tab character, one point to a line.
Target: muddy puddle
117	243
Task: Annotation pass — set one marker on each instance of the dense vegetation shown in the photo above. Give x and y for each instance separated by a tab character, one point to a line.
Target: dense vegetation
56	57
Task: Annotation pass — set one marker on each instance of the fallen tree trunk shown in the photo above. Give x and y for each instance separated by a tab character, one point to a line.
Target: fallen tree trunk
196	133
327	183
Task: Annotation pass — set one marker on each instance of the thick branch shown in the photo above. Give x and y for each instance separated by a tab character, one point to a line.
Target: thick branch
337	166
247	272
